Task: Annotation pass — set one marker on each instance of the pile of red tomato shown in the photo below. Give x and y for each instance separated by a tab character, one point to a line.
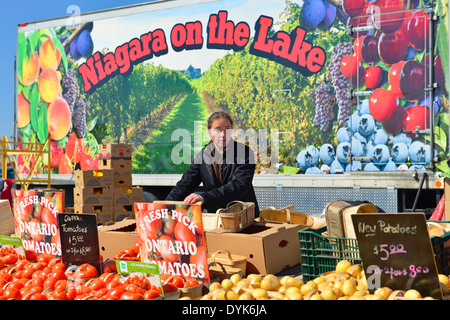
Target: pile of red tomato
46	277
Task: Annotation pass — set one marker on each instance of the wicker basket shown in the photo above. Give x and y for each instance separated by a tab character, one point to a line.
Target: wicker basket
286	215
237	216
192	292
218	272
226	258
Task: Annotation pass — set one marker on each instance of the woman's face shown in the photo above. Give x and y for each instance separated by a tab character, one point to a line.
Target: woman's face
220	132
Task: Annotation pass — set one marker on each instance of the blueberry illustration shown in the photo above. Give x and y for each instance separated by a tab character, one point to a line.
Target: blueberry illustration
417	167
313	170
353	121
327	153
343	151
363	107
399	152
312	156
343	135
380	155
402	137
419	153
371	167
336	167
357	148
390	166
354	166
366	125
301	160
369	150
381	137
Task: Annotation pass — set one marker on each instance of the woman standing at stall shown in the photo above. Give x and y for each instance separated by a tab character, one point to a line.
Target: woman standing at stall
224	166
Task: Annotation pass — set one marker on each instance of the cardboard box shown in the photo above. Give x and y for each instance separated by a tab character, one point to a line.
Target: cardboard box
447	199
269	247
116	237
115	151
121	212
94	178
115	164
93	196
104	213
122	179
127	196
6	218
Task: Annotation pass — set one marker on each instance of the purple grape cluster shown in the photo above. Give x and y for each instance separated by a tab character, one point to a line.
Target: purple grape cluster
341	84
69	87
324	100
79	117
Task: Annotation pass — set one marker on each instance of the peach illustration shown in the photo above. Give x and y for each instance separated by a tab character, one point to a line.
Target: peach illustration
59	119
30	70
49	56
23	111
48	85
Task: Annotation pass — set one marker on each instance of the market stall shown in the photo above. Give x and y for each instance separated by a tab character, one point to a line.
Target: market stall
166	250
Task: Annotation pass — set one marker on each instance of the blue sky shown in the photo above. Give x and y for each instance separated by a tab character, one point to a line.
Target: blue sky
15	12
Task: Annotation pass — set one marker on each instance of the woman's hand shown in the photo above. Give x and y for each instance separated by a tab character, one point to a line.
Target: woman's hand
193	198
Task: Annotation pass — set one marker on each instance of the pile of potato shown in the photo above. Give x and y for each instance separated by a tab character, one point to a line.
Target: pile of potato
347	282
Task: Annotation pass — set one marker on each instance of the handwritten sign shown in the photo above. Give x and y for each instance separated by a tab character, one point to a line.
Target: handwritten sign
79	239
396	252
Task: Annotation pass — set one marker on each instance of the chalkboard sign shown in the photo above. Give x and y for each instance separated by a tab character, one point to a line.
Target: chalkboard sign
79	239
396	252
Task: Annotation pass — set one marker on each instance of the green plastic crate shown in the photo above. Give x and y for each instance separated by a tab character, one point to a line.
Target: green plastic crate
320	254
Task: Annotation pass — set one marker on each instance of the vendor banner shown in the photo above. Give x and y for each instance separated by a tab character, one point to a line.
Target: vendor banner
35	219
171	235
317	86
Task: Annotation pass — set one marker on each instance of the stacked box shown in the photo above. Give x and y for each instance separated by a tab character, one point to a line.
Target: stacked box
117	157
115	151
93	193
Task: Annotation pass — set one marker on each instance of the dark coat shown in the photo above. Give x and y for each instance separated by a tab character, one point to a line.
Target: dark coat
238	172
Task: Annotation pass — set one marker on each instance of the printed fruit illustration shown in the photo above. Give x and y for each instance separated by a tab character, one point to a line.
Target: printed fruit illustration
373	76
394	124
369	49
419	29
394	78
30	70
416	116
313	12
49	56
85	45
388	15
349	66
23	111
382	104
412	80
48	85
330	16
74	148
392	47
59	119
353	7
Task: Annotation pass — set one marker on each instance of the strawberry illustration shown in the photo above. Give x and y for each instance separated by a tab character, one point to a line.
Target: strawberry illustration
88	163
65	166
74	148
56	153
